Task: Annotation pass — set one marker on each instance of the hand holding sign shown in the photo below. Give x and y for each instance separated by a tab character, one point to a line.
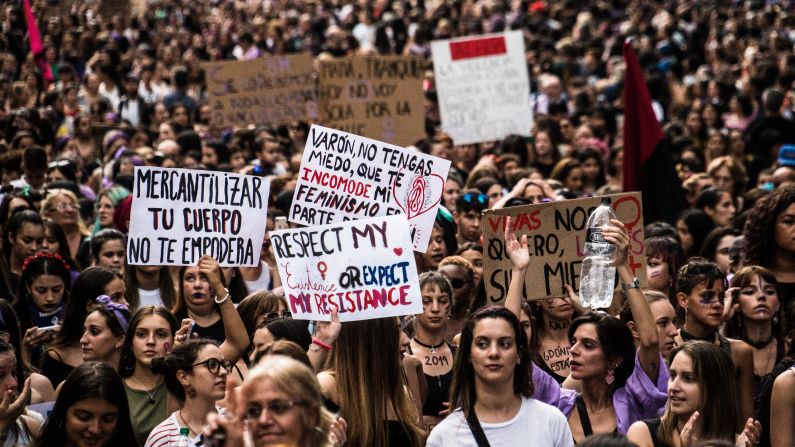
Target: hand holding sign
617	235
209	267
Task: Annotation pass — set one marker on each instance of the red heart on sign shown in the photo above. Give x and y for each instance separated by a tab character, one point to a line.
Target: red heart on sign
398	251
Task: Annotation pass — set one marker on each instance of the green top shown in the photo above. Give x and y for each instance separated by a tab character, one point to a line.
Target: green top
144	414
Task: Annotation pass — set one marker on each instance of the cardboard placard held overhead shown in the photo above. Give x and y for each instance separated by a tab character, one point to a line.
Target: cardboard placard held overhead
178	215
375	97
267	90
484	91
363	268
345	176
556	239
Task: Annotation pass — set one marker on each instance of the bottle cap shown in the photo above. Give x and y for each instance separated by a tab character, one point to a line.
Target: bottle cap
606	201
184	431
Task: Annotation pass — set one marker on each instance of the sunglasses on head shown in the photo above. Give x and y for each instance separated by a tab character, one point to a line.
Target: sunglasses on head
472	198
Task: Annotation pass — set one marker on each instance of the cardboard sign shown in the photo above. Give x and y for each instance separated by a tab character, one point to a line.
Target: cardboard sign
267	90
376	97
178	215
484	91
363	268
345	176
556	239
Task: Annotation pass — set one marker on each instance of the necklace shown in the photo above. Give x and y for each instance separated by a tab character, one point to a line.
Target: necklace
756	344
431	348
152	393
186	423
686	336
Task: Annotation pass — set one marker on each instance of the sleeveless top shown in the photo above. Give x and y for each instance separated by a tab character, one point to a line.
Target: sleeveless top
397	434
654	425
145	414
438	389
764	398
54	369
585	420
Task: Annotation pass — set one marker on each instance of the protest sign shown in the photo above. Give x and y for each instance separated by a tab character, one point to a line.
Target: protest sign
178	215
345	176
376	97
555	235
266	90
364	268
483	87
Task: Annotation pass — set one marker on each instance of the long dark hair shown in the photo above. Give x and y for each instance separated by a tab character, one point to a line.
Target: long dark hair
735	328
616	341
10	324
41	263
63	245
87	287
760	227
166	287
127	358
17	221
462	389
180	309
91	380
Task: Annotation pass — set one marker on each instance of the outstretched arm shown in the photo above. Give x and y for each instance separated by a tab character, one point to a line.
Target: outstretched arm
520	259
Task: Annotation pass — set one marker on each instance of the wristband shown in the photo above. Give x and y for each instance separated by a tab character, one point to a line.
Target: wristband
223	300
322	345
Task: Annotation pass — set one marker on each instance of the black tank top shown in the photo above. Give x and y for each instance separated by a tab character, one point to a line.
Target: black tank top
654	426
438	389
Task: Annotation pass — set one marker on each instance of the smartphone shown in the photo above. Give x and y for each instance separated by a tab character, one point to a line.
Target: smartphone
280	223
54	327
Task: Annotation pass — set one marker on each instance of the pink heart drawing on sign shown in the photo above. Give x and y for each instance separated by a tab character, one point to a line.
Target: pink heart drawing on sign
398	251
420	190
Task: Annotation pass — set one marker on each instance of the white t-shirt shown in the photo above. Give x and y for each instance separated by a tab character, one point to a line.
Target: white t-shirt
149	298
261	283
536	424
166	434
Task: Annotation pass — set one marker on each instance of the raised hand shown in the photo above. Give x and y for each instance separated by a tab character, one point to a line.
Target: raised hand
328	331
616	233
12	407
688	434
517	250
750	434
729	306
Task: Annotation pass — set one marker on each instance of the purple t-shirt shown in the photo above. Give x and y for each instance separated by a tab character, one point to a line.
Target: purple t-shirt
638	399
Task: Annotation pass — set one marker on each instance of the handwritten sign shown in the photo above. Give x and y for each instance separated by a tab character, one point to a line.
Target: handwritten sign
376	97
483	87
267	90
363	268
178	215
345	176
555	234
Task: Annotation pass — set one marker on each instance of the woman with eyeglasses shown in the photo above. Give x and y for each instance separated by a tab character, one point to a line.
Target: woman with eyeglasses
151	335
62	206
701	288
203	298
195	372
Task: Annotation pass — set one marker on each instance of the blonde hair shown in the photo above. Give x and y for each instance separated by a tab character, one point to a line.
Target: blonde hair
47	207
300	383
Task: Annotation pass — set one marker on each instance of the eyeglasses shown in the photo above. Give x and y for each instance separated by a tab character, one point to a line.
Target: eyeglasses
214	365
277	316
472	198
276	407
457	283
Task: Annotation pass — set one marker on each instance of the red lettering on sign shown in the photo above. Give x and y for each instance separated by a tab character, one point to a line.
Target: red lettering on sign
469	49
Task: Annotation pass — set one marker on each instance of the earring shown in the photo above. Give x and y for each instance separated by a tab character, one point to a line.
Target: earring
610	376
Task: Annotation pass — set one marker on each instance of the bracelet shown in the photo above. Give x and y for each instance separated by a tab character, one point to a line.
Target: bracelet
322	345
223	300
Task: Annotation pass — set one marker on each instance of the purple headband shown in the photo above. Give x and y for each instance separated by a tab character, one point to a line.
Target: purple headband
116	308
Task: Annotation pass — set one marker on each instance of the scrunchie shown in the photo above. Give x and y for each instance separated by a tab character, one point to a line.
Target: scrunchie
116	308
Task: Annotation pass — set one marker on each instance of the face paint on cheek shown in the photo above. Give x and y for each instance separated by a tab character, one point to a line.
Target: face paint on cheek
166	345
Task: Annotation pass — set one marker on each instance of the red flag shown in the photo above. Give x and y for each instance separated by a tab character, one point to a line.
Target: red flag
642	131
35	43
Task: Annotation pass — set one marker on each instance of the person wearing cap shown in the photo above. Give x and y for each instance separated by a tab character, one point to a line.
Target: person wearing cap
131	106
785	173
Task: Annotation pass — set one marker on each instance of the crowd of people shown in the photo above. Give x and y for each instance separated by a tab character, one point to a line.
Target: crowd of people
96	352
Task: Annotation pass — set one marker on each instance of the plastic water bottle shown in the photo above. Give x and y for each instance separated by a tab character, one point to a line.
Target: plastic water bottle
597	278
184	439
